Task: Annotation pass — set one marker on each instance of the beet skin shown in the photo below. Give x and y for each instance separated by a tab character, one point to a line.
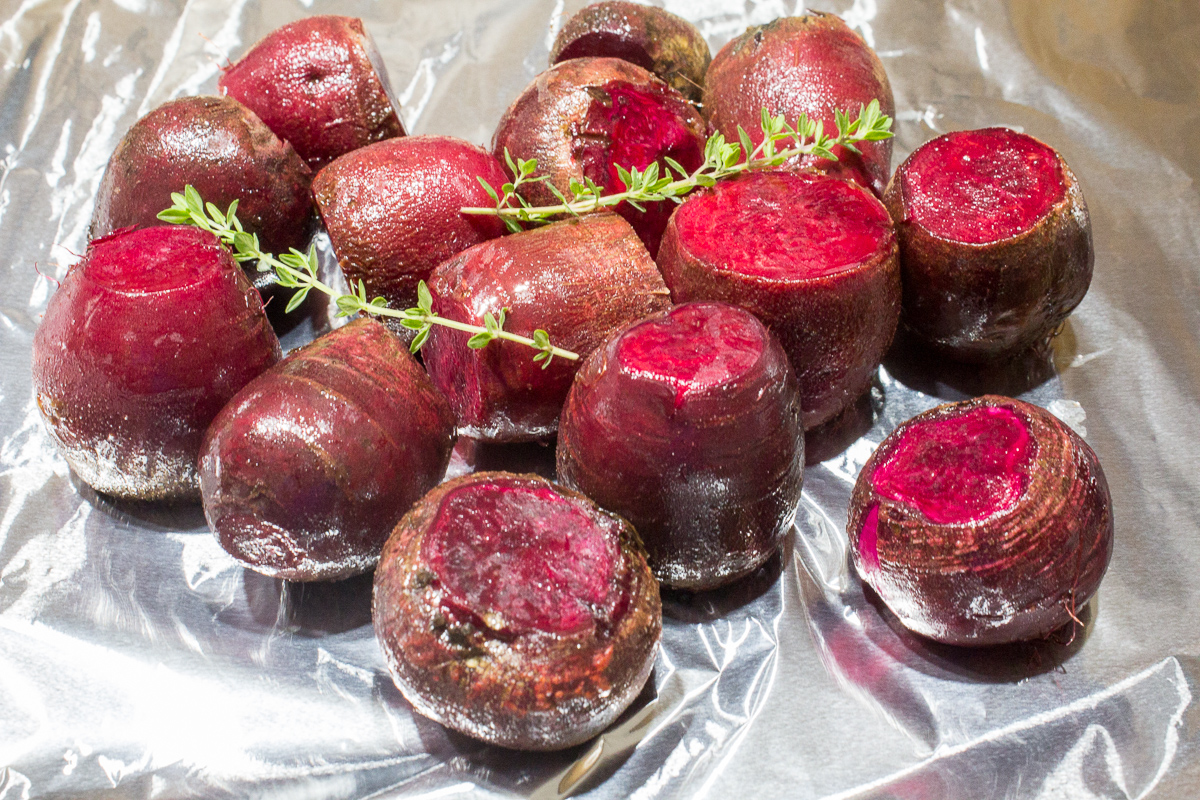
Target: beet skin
147	338
516	612
982	522
309	467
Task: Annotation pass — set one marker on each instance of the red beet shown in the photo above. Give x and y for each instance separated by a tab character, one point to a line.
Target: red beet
309	467
516	612
656	40
392	210
582	118
982	522
687	424
995	242
812	64
579	280
812	256
320	84
147	338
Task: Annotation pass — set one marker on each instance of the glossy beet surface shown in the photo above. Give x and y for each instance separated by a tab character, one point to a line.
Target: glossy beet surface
579	280
688	425
320	84
307	469
812	256
516	612
143	343
982	522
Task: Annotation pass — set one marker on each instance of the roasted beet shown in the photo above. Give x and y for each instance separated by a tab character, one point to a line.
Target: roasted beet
320	84
585	117
656	40
309	467
147	338
982	522
392	210
579	280
812	64
516	612
687	424
995	242
813	256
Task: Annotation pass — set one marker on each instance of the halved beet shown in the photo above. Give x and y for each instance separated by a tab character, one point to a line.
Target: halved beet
516	612
309	467
583	118
982	522
147	338
392	210
812	64
579	280
320	84
812	256
995	242
687	424
656	40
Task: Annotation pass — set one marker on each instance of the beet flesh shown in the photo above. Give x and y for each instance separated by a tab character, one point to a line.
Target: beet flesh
982	522
687	424
392	210
579	280
320	84
582	118
812	64
995	242
812	256
516	612
309	467
143	343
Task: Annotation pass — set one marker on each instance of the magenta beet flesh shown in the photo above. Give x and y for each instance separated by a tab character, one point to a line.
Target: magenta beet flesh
516	612
687	424
144	342
982	522
307	469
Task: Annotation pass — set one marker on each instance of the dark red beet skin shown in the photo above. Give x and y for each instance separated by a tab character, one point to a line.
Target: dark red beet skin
687	424
982	522
309	467
583	117
392	210
320	84
812	256
516	612
995	242
147	338
579	280
812	64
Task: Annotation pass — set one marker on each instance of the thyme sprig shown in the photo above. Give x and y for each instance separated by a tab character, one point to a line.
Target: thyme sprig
297	270
781	141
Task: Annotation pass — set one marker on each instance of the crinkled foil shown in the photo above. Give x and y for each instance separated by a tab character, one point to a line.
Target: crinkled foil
138	660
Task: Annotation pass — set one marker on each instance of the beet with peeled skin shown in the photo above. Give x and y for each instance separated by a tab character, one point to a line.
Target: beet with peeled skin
578	279
143	343
653	38
392	210
583	118
814	257
309	467
812	64
995	242
982	522
516	612
687	424
320	84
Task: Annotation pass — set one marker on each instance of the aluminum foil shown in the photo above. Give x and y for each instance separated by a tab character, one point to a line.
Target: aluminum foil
138	660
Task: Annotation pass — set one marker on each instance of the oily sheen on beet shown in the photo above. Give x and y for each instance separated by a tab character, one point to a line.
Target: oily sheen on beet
687	424
516	612
982	522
